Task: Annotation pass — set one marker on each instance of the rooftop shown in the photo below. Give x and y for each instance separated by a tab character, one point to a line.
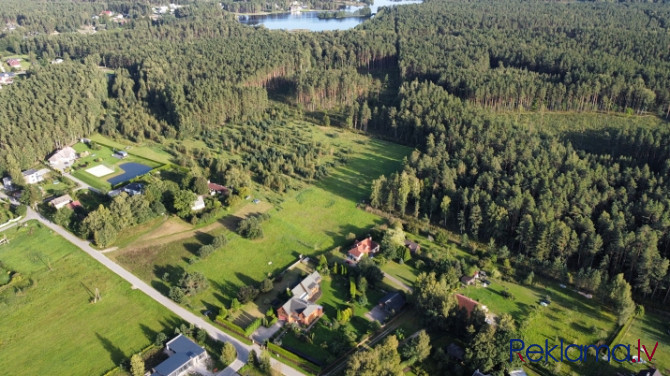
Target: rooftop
184	350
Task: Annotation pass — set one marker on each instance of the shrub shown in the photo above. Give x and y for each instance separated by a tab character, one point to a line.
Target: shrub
228	353
206	250
267	285
177	294
250	228
252	327
247	294
219	241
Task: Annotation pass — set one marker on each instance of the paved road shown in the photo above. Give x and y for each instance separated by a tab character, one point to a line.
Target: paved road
198	321
398	282
82	185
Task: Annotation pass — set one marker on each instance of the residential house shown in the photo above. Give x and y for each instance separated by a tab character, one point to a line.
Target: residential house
413	247
469	304
7	78
33	176
7	183
63	158
392	302
14	63
650	372
216	189
184	355
133	189
470	280
363	247
121	154
74	204
301	308
198	204
60	202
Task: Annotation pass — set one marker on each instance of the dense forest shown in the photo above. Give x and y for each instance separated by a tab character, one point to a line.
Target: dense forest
432	76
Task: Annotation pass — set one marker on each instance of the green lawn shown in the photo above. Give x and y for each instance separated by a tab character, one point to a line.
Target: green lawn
149	151
103	156
54	329
570	316
649	329
406	273
55	186
309	221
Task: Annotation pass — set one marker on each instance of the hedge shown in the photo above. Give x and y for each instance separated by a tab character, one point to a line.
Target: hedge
301	362
252	327
234	331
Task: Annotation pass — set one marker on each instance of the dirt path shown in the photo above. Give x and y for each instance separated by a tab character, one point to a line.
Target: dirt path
175	229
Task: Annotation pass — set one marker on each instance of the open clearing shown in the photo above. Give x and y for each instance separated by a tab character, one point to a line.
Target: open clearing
100	170
55	329
309	221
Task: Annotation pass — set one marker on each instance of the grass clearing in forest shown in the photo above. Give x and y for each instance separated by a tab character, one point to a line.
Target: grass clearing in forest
55	328
309	221
649	329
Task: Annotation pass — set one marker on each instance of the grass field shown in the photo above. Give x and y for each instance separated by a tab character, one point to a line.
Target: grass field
649	329
103	156
308	221
149	151
570	316
55	330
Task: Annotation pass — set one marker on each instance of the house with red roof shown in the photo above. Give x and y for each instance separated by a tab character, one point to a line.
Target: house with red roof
469	304
362	248
216	189
14	63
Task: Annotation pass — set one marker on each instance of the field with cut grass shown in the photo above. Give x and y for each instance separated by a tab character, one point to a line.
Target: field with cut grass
55	329
308	221
103	156
570	316
649	329
149	151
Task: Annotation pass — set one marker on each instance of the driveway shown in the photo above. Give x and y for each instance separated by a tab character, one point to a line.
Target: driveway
262	334
377	314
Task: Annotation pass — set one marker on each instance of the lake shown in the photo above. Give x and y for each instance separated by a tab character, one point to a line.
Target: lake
310	20
130	170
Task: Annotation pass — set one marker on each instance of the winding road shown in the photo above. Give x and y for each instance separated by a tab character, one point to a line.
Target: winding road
136	283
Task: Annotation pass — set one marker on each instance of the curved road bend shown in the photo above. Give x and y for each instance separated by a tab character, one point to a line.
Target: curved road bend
242	349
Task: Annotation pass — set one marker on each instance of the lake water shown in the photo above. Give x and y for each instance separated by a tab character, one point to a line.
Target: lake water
310	21
130	170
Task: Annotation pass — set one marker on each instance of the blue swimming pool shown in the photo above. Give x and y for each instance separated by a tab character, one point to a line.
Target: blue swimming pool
130	170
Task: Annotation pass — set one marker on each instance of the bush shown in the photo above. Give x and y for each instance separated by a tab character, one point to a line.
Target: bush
267	285
247	294
206	250
21	210
223	314
219	241
252	327
177	294
228	353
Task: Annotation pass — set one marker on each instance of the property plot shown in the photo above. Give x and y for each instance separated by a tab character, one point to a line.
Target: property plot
100	170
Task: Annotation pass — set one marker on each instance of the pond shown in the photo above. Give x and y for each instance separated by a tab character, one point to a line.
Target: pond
310	20
130	170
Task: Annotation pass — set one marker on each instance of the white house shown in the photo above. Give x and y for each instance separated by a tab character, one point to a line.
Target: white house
33	176
7	183
60	202
184	355
63	158
199	204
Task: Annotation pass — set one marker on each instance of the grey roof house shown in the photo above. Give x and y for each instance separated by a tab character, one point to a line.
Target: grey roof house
184	355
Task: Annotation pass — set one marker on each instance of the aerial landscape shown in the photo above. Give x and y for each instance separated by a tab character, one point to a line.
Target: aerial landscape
334	187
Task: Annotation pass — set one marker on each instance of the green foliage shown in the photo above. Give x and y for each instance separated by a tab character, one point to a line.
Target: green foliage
136	365
228	353
266	285
251	328
250	228
246	294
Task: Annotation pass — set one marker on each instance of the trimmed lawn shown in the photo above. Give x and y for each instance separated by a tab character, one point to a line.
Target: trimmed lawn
649	329
149	151
570	316
105	157
54	329
404	272
308	221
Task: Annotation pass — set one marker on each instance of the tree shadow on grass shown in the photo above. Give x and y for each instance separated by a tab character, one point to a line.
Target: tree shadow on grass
246	279
115	353
204	237
160	287
172	272
192	247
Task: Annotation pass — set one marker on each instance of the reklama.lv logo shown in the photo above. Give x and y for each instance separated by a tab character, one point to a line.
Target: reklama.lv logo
566	353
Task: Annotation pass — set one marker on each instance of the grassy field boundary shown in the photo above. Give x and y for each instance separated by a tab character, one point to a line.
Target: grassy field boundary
285	354
233	330
622	331
115	145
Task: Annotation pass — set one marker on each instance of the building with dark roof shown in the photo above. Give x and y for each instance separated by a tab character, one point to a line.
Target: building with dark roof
392	302
413	247
650	372
184	355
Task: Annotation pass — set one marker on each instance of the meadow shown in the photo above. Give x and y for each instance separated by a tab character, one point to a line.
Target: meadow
55	328
306	221
649	329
